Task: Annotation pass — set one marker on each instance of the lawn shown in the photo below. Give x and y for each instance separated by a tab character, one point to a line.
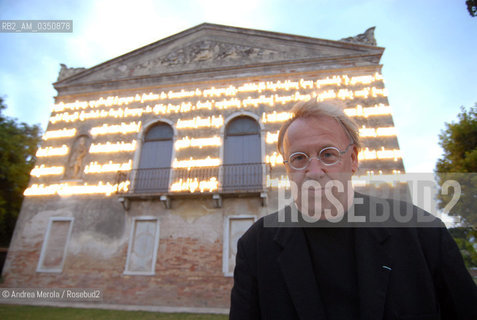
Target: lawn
14	312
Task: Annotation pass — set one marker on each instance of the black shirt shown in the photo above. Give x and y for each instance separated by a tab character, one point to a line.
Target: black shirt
334	264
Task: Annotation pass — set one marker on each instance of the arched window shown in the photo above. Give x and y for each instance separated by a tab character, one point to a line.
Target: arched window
242	155
155	161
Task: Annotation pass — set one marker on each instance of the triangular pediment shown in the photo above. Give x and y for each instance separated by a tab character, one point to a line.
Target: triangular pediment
213	47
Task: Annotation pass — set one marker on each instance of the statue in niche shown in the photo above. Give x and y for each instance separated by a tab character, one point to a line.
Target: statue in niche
78	153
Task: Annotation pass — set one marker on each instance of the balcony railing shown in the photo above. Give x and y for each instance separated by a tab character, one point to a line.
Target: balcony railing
243	178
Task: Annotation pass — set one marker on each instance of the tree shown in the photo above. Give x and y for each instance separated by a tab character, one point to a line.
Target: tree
472	7
466	239
459	163
18	145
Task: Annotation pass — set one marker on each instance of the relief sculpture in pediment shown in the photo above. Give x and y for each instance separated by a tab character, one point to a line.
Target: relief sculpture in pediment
214	51
203	53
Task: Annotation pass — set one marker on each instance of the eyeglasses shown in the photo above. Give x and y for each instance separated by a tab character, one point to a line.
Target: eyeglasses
328	156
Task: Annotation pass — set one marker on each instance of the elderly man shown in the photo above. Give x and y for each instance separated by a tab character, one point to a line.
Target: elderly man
320	271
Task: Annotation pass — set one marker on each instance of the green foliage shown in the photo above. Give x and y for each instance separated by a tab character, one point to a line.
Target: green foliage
18	145
459	142
472	7
466	239
459	163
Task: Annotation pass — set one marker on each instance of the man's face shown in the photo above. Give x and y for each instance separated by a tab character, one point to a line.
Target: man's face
317	181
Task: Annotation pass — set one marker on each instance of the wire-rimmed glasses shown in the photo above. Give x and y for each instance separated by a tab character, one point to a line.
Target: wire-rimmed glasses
328	156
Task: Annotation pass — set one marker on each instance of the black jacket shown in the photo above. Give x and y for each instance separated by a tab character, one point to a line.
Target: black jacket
403	273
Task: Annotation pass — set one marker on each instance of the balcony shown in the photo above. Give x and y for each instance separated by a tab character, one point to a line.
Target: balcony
235	180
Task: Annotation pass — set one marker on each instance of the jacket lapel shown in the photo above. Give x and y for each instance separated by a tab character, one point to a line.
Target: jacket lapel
374	267
296	266
373	262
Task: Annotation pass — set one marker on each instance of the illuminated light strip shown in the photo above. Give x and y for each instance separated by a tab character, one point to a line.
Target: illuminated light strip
52	151
65	189
172	108
377	132
61	106
110	101
346	94
297	96
199	122
180	108
359	111
96	114
255	102
276	117
367	79
364	93
367	132
216	92
62	133
389	154
390	179
149	97
113	101
272	137
286	85
375	92
42	170
249	101
109	147
335	80
380	172
330	94
95	167
224	104
386	132
192	185
306	84
356	181
186	142
184	94
107	102
122	128
207	162
136	112
206	105
185	107
274	159
252	86
281	182
344	79
367	154
66	117
213	92
362	79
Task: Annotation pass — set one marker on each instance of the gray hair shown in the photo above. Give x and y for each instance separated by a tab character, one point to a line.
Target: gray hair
312	108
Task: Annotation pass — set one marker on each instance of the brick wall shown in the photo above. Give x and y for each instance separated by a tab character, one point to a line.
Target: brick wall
188	272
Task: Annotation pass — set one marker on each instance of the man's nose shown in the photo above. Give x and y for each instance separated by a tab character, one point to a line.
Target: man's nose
314	170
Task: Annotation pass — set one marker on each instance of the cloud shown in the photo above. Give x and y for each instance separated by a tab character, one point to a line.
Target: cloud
109	29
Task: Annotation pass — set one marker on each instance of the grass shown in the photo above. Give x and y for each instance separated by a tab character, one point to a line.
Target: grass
14	312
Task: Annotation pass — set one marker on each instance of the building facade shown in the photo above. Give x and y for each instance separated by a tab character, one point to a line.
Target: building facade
154	163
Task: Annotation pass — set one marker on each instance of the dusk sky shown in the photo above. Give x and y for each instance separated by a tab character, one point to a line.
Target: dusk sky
430	67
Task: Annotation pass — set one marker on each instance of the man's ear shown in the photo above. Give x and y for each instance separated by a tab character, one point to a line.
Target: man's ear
354	160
